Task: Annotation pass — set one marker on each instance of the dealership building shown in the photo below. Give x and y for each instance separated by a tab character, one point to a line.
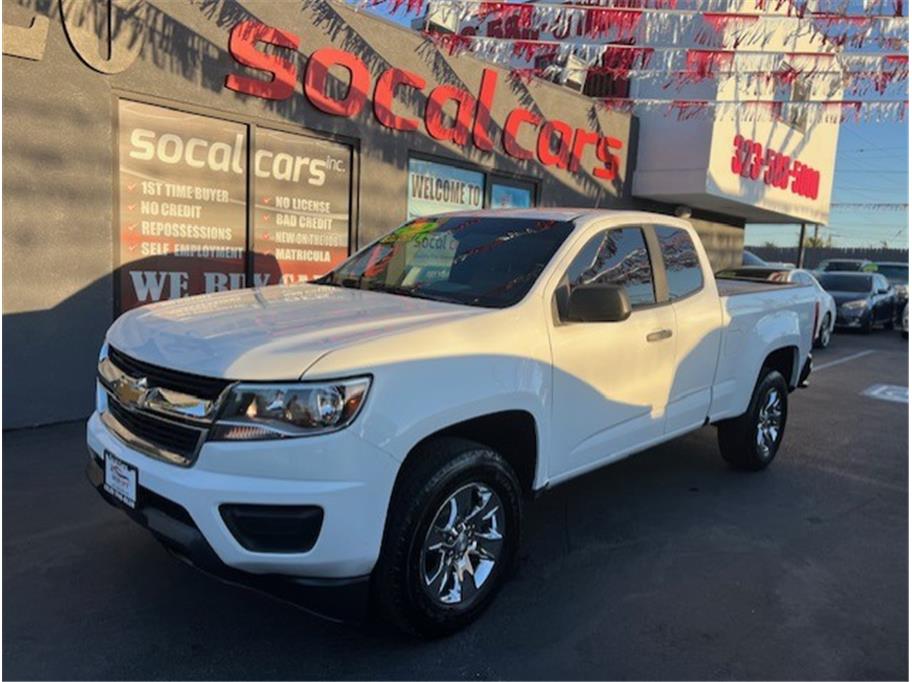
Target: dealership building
176	148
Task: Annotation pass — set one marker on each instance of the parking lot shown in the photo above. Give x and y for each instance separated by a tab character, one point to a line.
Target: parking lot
667	565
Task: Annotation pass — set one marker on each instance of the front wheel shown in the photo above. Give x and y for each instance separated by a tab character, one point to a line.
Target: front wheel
752	440
826	332
451	537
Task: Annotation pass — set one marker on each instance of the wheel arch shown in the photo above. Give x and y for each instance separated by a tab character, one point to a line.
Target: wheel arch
514	434
785	361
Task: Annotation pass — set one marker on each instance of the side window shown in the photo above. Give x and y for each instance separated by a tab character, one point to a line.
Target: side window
682	265
617	256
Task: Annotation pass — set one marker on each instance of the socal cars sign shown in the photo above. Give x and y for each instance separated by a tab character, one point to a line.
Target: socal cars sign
557	143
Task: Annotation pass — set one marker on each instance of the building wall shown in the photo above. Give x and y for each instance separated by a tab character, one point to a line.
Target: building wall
61	229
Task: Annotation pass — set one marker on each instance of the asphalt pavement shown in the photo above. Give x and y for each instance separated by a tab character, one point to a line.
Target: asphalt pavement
667	565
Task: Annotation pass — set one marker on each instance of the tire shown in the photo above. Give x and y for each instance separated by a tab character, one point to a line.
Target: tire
868	325
890	324
421	511
740	440
826	333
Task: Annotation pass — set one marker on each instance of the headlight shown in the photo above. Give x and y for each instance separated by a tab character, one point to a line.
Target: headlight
856	305
266	411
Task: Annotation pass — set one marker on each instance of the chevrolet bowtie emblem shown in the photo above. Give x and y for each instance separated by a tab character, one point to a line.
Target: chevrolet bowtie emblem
131	391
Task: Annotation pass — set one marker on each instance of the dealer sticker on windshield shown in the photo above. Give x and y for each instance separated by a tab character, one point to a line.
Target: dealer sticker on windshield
120	480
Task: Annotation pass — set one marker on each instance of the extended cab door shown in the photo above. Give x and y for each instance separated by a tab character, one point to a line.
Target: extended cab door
610	379
692	292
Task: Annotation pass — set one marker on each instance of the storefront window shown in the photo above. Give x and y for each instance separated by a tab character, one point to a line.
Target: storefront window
511	194
183	210
302	210
438	188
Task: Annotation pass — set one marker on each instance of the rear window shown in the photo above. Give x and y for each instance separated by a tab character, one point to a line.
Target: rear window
759	274
842	266
682	266
853	283
898	274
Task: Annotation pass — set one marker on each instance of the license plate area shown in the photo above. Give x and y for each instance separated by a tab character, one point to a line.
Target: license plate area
120	479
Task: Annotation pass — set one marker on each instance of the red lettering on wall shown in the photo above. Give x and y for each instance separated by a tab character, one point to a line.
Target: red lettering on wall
581	140
242	45
385	92
317	75
437	128
483	110
611	161
515	119
471	119
546	153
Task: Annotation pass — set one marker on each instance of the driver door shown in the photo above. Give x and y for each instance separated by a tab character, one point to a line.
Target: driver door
611	380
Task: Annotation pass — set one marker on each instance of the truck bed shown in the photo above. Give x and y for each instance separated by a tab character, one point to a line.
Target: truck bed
735	287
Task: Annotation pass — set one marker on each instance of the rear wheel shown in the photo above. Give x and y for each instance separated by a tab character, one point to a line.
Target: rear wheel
752	440
451	539
826	332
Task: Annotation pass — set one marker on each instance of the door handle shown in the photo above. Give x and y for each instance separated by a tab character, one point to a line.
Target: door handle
660	335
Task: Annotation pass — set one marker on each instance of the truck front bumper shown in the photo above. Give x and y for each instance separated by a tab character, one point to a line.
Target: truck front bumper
346	479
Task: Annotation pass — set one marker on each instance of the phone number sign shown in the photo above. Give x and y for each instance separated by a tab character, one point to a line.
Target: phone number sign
752	161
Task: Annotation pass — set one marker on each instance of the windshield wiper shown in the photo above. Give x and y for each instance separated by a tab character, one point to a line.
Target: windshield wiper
415	293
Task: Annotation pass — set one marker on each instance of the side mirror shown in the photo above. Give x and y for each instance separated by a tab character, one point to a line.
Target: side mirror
598	303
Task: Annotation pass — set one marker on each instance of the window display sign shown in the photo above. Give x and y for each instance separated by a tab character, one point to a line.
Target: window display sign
183	210
438	188
302	187
510	195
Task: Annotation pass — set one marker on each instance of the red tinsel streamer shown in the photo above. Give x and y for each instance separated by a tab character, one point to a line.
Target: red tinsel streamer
716	25
620	24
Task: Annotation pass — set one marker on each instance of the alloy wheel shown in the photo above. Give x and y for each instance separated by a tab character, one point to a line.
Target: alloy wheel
463	545
769	423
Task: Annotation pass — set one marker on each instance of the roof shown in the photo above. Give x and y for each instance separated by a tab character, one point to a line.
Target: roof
564	213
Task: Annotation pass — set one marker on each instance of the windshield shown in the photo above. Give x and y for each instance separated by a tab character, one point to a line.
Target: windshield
842	266
897	274
483	261
852	283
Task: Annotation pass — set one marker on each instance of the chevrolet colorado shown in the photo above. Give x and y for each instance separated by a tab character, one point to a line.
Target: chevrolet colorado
370	438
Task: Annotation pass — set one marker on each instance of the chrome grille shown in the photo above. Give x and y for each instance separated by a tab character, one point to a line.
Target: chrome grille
207	388
162	412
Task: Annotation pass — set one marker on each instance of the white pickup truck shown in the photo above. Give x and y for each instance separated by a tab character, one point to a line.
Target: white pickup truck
371	437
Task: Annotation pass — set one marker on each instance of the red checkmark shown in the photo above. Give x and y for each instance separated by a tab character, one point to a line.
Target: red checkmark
132	247
132	226
266	235
130	207
265	217
131	186
266	200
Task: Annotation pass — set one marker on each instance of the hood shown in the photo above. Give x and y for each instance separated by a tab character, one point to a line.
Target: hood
270	334
845	296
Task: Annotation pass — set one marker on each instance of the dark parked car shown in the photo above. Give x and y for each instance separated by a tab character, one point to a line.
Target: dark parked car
897	273
863	299
847	265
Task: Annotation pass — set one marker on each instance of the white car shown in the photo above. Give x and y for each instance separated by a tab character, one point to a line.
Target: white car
826	304
374	435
